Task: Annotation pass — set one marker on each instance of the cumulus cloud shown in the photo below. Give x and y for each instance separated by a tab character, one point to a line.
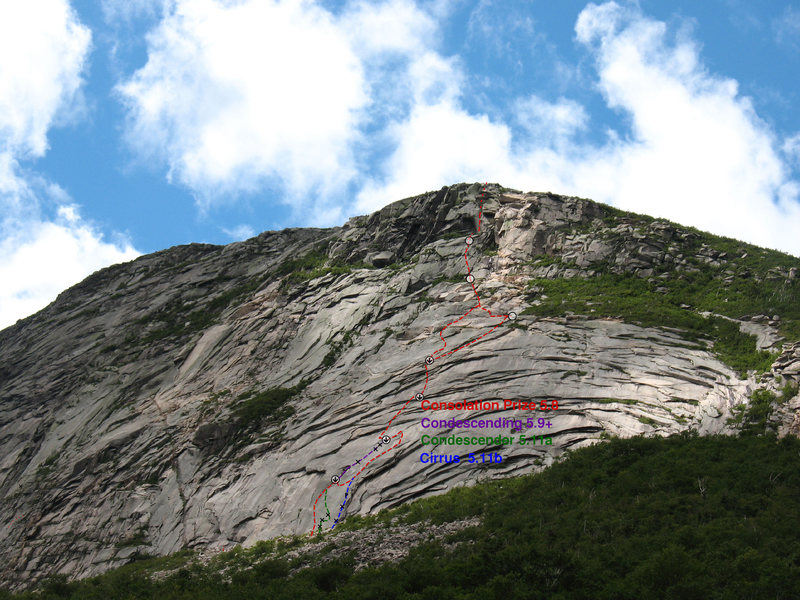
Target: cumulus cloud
439	143
395	26
699	151
235	93
791	147
124	11
551	123
696	151
39	258
238	96
45	245
787	27
240	232
43	49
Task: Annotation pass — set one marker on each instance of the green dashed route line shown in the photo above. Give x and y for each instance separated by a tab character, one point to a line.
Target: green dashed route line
327	513
429	360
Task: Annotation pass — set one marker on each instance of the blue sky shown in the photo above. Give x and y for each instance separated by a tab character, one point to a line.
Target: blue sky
128	126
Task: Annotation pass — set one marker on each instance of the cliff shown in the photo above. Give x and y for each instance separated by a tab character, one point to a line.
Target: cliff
204	396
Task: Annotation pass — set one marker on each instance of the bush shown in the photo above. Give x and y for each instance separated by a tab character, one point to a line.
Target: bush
256	409
753	417
267	404
640	518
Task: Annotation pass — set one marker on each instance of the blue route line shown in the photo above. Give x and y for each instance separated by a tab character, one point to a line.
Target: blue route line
341	508
471	279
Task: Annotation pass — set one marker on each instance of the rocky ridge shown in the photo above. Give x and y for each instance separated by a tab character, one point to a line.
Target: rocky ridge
202	396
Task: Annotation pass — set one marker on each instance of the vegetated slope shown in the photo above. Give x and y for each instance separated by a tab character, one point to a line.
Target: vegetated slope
680	517
203	396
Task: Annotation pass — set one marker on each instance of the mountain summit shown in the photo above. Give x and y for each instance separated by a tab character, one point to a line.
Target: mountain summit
206	396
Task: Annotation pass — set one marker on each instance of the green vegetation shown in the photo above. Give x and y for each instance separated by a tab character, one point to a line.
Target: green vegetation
543	260
339	346
691	401
256	409
315	264
216	396
636	301
47	466
137	539
788	391
252	413
753	288
178	319
753	418
644	518
452	279
628	401
742	281
576	372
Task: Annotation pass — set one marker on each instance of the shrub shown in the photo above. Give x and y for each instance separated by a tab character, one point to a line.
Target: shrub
255	408
628	518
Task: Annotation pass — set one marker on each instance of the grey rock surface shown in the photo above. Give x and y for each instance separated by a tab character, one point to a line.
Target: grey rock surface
118	402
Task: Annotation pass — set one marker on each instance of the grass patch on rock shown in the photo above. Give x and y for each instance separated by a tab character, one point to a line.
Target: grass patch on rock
636	300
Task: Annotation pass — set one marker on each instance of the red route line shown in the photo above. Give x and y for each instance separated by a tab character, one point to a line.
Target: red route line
354	476
400	433
469	343
480	206
478	305
424	387
427	374
445	327
14	520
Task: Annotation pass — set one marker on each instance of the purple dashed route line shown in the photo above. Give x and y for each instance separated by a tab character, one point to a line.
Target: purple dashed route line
438	354
358	462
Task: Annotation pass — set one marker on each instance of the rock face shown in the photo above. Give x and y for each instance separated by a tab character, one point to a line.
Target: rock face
124	423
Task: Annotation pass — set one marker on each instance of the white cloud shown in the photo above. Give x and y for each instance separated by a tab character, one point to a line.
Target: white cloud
791	147
40	258
787	27
43	52
394	26
552	123
238	95
240	232
696	153
437	145
127	10
234	93
43	49
699	152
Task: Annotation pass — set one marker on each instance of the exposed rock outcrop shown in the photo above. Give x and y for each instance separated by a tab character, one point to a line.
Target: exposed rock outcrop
121	427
